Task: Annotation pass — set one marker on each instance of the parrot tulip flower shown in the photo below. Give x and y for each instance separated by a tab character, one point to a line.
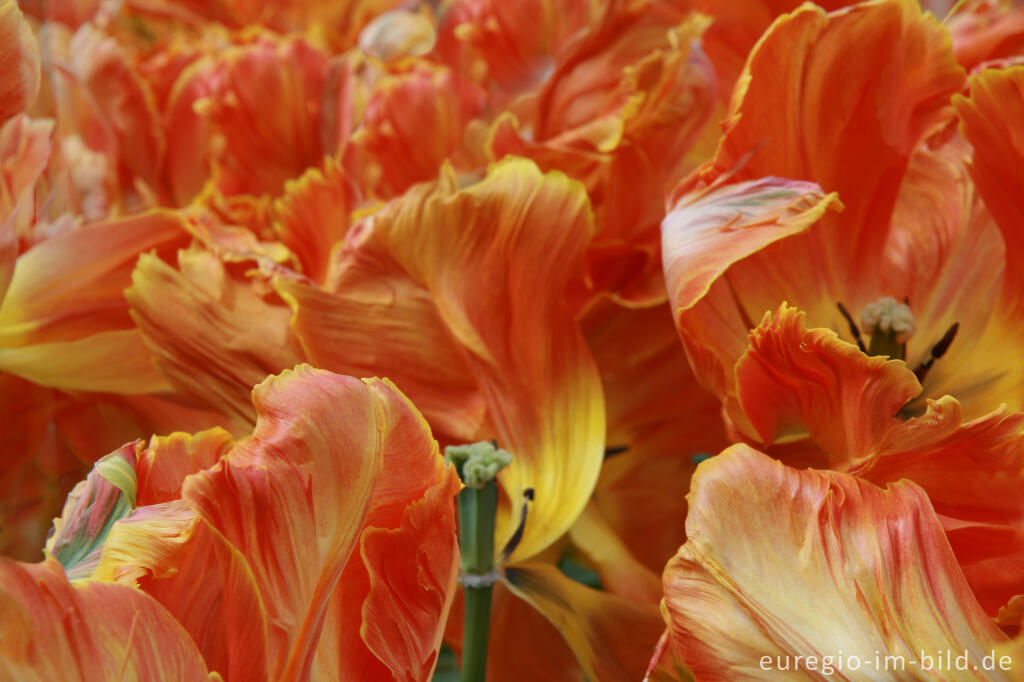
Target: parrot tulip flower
936	401
448	291
352	570
807	574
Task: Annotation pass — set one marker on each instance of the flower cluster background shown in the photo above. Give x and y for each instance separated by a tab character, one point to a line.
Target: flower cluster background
737	284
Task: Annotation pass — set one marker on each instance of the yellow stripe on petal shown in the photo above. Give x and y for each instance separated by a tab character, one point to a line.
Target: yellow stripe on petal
612	637
458	296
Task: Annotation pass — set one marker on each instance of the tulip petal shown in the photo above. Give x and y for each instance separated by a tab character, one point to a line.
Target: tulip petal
314	216
989	118
163	466
52	630
204	316
793	380
781	562
413	122
19	62
787	119
319	512
478	272
612	637
276	481
64	322
181	561
705	233
106	496
855	140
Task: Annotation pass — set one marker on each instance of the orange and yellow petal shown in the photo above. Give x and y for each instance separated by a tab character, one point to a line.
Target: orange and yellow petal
205	314
19	62
794	381
783	563
857	143
709	230
612	637
412	123
314	216
480	271
65	320
51	629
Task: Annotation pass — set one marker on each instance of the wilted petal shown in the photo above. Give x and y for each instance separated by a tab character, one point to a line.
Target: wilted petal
781	562
52	630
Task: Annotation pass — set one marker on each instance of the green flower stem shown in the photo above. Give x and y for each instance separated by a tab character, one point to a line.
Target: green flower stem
477	465
477	508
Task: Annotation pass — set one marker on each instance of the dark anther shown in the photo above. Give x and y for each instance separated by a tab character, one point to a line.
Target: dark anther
517	537
853	327
494	442
937	351
615	450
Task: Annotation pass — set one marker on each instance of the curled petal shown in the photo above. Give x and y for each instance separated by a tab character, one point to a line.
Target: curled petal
105	497
793	380
781	562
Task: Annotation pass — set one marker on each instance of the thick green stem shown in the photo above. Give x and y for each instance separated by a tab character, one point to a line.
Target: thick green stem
477	465
478	628
477	509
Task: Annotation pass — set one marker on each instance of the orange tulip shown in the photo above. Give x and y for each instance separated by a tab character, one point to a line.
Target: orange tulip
738	248
802	575
323	544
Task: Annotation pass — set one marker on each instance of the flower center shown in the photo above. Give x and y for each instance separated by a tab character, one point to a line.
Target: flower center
891	324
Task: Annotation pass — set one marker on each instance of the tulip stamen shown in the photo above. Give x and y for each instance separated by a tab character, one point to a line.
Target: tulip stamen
517	536
615	450
854	329
937	351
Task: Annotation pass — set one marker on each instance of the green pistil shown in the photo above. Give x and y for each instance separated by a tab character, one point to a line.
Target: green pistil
890	324
477	463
